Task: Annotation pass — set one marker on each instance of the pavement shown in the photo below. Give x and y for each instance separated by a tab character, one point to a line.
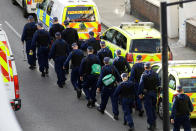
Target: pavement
113	13
45	107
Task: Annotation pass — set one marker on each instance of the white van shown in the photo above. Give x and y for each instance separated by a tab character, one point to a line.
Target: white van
8	71
8	118
82	14
29	6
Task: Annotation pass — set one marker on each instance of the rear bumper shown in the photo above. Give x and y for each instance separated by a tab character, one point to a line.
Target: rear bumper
16	104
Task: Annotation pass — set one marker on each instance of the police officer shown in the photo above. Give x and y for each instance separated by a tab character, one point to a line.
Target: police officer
56	27
148	89
104	52
59	52
89	79
121	63
27	35
136	72
126	90
41	39
181	109
92	41
107	90
69	34
76	57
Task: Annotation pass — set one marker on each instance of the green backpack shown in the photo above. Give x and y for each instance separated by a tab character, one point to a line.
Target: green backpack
96	69
108	79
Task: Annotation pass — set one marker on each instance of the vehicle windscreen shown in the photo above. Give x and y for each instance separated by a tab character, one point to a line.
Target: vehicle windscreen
188	84
80	14
145	46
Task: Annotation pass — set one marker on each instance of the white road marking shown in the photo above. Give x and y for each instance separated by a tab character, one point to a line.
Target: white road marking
12	28
106	112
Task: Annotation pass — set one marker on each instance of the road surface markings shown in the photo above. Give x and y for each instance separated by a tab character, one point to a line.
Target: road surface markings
14	30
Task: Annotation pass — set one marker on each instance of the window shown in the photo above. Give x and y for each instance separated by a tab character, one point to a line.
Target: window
188	84
80	14
49	8
172	82
155	68
145	46
43	5
109	35
120	40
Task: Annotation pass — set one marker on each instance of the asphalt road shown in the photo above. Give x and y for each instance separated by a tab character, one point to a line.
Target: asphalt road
45	107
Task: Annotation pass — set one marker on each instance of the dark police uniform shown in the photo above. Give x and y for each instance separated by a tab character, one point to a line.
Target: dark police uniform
121	65
181	109
76	57
127	92
148	86
107	91
104	52
70	35
54	29
59	53
90	80
91	42
136	72
41	39
27	35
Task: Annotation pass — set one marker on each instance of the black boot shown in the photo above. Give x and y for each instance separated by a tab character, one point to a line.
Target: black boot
43	74
116	117
131	128
89	104
100	110
47	71
31	67
141	112
151	127
125	123
79	92
93	104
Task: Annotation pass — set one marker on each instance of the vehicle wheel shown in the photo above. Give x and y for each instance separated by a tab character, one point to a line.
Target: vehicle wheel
160	109
14	2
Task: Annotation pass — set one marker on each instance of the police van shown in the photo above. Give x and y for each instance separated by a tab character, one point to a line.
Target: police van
29	6
83	15
8	71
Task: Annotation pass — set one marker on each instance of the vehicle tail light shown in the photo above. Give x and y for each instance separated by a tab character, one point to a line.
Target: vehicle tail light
16	85
170	56
99	28
129	57
29	2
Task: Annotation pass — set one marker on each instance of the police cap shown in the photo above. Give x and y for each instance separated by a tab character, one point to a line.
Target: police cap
66	22
30	17
55	19
90	48
91	33
147	65
124	75
102	42
74	44
40	24
139	57
106	59
118	52
179	88
57	34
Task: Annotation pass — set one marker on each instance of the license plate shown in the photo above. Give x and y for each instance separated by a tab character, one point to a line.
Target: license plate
38	1
80	30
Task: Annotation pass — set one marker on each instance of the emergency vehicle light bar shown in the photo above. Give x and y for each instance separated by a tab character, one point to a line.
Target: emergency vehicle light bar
138	24
182	62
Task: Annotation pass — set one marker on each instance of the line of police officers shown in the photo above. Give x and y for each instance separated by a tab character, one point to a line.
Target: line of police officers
61	45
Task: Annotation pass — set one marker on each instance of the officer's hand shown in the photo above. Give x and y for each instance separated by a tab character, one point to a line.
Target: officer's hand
172	121
81	78
141	96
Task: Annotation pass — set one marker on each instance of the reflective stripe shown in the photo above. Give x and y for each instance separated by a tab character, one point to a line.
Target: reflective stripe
147	57
5	64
